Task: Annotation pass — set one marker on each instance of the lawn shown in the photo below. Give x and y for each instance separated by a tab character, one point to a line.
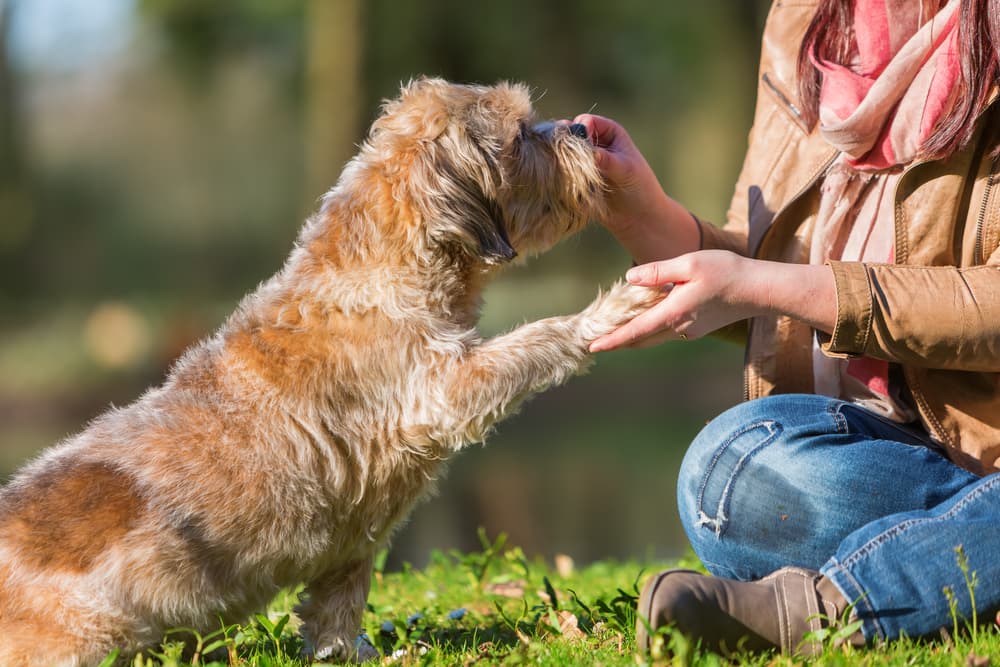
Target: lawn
496	607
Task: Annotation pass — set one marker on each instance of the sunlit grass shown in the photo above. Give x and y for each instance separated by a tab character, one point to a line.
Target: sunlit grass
496	607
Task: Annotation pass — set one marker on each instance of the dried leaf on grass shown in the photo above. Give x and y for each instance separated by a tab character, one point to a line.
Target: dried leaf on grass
569	626
507	589
484	652
973	660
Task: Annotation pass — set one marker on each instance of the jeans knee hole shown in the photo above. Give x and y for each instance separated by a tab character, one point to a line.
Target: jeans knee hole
716	518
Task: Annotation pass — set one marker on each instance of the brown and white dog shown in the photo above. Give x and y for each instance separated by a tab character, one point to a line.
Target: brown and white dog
285	448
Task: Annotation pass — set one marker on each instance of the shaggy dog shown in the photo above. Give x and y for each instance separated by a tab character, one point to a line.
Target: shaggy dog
286	447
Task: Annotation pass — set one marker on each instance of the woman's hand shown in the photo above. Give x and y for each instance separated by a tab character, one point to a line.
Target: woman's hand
712	288
648	223
633	187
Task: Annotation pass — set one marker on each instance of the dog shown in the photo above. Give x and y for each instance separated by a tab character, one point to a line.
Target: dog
285	448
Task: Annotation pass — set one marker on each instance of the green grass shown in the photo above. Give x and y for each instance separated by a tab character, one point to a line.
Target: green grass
495	607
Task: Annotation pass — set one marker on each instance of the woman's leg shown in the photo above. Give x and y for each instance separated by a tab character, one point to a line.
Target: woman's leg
897	568
784	480
792	480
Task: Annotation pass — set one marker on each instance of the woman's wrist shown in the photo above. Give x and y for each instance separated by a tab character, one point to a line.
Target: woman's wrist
805	292
662	230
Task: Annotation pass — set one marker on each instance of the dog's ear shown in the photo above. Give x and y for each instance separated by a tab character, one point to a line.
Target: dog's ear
443	137
416	115
470	216
497	113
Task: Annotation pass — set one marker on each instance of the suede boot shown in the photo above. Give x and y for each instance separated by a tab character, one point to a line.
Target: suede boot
728	616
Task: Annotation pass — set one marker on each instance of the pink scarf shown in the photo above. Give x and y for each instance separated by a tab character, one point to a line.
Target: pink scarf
878	110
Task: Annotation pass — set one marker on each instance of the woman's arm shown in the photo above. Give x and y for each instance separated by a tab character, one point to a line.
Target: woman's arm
940	317
713	288
928	316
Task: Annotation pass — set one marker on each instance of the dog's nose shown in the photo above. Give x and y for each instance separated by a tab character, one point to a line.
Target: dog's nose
578	130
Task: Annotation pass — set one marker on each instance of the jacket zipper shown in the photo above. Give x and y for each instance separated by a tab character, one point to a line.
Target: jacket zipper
981	218
794	110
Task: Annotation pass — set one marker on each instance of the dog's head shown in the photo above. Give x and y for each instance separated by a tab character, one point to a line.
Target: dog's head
488	182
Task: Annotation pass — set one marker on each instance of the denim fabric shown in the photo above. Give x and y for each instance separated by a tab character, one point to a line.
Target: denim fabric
823	484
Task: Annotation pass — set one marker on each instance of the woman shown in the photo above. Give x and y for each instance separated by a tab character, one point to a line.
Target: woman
860	262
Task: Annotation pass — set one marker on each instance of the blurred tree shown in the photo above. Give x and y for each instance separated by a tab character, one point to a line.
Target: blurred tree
752	14
200	34
325	39
9	149
334	92
15	203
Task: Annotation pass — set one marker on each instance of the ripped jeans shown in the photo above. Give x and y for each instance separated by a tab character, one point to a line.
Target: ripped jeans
826	485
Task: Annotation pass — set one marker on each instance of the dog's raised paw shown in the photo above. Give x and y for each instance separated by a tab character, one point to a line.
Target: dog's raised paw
615	307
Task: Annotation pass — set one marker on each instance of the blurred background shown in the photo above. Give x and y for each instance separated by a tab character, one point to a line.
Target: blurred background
158	156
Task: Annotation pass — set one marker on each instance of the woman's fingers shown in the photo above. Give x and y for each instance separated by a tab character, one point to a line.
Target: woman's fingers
612	147
655	321
659	321
654	340
659	274
603	132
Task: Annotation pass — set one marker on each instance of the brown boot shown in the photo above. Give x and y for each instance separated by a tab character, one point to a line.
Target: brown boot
727	615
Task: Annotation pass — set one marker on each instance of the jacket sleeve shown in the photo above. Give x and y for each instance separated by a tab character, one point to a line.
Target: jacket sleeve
723	238
926	316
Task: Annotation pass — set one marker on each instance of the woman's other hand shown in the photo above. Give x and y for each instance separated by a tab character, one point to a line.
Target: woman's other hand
647	222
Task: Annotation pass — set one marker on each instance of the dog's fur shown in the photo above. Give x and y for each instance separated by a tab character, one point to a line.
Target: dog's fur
286	447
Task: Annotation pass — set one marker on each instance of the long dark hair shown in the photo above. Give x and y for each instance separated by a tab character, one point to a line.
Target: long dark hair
832	31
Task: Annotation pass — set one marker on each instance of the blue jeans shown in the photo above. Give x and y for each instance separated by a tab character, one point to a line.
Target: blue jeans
826	485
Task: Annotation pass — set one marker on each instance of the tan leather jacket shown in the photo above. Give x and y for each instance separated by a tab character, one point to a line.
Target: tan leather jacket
936	311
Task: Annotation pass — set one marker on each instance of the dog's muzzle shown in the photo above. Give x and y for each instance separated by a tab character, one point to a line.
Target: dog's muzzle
547	129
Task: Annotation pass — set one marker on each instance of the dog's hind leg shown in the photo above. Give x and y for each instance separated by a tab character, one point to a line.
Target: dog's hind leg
39	645
45	623
331	611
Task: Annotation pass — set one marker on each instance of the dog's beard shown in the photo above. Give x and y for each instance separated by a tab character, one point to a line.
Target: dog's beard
566	194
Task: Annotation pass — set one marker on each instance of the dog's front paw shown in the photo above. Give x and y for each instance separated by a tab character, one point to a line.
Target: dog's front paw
615	307
343	650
